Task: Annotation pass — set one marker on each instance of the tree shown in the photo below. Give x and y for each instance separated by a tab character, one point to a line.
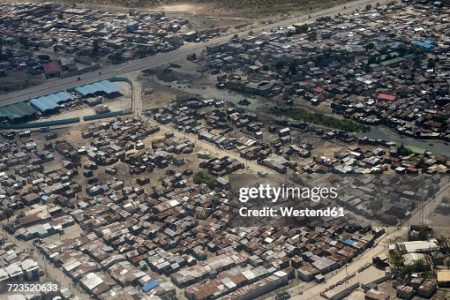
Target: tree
423	235
116	57
375	205
444	244
421	266
23	40
404	151
95	48
1	49
279	65
370	46
403	93
302	28
205	178
396	259
312	35
293	68
431	63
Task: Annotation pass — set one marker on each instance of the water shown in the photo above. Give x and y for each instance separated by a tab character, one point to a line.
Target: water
384	133
435	146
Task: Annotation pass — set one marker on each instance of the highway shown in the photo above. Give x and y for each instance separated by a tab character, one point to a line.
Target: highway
106	72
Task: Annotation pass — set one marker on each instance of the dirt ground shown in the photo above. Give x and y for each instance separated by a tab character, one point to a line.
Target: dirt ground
231	15
17	80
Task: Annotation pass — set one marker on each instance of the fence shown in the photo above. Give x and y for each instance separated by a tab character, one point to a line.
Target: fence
107	115
40	124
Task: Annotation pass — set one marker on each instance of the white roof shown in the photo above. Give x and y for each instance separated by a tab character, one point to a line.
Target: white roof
420	246
71	264
248	274
91	281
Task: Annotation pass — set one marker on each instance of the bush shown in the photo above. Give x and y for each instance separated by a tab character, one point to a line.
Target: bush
320	119
375	205
205	178
244	102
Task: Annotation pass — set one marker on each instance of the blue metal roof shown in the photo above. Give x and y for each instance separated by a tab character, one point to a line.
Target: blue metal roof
150	285
399	205
50	102
104	86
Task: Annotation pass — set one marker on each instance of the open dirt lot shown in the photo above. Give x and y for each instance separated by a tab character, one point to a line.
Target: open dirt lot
16	80
230	15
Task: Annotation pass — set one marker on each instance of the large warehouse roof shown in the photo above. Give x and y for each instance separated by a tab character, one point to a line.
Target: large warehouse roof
50	102
103	86
16	112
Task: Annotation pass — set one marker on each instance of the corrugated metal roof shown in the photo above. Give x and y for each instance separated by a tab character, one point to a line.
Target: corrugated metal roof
104	86
52	67
50	102
150	285
16	111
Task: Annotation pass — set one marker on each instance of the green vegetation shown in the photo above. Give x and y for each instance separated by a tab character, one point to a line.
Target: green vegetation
441	118
383	57
395	260
283	295
408	150
303	28
244	102
418	267
116	58
375	205
423	235
300	114
202	177
414	149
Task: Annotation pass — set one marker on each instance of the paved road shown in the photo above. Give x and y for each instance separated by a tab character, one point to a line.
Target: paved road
109	71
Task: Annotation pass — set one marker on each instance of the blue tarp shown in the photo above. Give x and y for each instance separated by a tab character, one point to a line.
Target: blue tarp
50	102
103	86
349	242
424	44
150	285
